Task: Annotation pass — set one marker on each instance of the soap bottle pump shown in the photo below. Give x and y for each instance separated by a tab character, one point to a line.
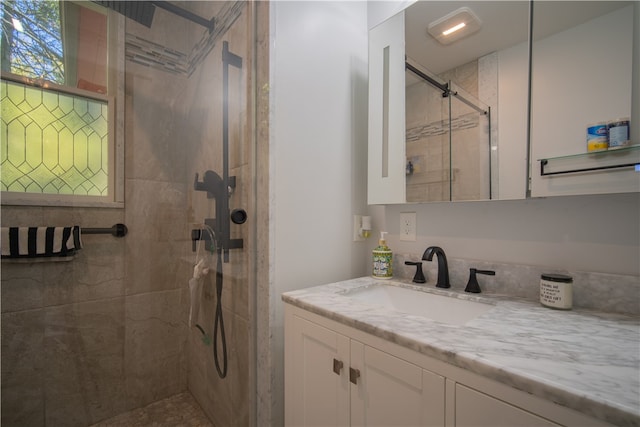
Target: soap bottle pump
382	259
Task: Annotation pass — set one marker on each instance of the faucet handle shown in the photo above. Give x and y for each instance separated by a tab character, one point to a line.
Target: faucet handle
419	276
472	284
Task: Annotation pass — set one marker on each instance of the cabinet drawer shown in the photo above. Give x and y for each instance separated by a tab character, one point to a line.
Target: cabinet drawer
478	409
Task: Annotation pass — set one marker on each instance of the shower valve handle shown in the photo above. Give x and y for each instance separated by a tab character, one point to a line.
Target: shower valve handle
198	186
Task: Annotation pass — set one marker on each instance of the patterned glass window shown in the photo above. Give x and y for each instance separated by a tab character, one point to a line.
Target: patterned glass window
57	121
53	142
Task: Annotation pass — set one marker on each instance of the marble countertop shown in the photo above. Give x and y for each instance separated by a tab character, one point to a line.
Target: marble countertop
584	360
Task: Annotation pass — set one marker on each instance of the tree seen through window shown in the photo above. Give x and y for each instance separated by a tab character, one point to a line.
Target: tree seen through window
32	39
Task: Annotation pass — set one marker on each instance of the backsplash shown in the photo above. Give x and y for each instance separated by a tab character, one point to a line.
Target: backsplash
613	293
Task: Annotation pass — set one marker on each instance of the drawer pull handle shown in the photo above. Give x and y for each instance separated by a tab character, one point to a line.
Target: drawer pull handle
354	374
337	366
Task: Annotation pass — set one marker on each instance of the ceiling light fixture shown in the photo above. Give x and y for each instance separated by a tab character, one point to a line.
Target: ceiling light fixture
454	26
454	29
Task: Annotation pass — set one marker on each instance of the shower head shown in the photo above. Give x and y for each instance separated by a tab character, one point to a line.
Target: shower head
142	11
139	11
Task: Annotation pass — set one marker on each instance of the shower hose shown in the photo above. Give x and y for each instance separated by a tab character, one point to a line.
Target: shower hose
218	323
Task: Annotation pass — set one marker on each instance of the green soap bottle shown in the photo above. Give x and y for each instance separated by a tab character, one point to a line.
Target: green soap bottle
382	259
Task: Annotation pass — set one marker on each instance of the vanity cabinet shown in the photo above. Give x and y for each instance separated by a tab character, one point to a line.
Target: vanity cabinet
337	375
333	380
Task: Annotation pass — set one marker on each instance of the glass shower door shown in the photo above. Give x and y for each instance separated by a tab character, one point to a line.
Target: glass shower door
470	146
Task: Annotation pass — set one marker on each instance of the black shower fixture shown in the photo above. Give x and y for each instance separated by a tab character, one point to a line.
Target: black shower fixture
142	11
219	187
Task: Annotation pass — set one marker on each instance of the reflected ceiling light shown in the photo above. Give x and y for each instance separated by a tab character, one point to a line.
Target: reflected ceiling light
17	24
454	26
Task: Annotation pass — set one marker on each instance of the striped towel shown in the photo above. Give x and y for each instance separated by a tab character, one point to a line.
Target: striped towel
39	242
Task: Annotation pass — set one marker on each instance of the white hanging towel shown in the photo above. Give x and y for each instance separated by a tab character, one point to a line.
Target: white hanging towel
199	271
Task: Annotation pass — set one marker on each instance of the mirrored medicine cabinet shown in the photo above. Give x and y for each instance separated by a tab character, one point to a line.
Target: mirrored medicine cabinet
474	118
582	74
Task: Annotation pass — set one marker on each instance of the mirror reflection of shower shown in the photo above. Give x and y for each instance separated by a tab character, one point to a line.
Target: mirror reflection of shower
448	135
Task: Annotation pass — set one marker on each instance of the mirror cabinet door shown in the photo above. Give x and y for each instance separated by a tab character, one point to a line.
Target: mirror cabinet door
461	107
582	78
386	175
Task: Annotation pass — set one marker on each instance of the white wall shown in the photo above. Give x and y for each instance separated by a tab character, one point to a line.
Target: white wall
318	152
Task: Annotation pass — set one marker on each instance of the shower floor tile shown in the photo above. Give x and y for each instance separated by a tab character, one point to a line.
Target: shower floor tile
179	410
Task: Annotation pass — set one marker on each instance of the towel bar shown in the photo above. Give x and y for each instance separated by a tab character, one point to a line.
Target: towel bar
117	230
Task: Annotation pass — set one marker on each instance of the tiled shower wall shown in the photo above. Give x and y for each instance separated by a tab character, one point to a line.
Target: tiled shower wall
107	332
63	327
87	339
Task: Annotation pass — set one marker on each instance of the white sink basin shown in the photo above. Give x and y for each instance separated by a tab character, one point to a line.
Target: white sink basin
440	308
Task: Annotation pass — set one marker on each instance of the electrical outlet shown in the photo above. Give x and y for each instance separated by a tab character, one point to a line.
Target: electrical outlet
408	226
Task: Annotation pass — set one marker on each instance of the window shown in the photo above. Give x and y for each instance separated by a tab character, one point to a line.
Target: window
58	98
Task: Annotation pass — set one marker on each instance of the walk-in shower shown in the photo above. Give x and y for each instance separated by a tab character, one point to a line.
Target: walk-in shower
112	329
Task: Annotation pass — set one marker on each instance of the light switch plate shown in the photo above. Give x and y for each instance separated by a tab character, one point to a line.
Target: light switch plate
408	226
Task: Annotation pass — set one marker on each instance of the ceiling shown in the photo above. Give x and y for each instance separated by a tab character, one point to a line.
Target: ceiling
504	24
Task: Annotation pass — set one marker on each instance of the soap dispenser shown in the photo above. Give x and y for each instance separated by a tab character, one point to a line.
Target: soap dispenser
382	259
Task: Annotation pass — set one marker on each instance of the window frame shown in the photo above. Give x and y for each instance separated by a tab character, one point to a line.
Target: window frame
115	101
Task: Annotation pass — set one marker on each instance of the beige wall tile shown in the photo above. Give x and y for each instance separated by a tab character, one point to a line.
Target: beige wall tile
84	344
154	356
22	286
23	370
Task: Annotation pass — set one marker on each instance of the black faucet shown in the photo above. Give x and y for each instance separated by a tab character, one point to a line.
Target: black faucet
419	276
443	267
472	284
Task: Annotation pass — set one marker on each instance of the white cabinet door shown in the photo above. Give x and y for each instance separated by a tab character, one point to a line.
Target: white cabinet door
387	139
316	387
393	392
478	409
387	391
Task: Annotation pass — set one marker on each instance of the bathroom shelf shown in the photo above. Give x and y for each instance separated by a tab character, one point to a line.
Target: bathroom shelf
592	161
